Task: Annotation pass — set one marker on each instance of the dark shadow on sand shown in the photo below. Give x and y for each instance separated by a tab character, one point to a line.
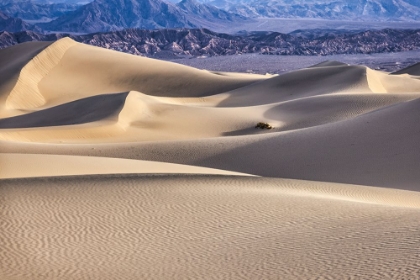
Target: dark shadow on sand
80	111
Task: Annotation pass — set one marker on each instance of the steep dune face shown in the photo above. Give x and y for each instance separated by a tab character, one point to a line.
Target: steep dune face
126	208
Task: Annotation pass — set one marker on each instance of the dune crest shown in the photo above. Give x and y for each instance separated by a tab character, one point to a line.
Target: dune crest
136	108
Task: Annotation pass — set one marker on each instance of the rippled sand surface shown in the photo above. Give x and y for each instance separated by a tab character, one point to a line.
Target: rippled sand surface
202	227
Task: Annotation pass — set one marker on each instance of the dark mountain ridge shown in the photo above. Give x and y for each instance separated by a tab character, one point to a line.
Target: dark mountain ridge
197	42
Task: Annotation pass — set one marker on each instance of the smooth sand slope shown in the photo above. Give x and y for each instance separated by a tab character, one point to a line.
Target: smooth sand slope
100	151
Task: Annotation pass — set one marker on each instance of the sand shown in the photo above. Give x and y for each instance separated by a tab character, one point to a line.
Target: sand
114	166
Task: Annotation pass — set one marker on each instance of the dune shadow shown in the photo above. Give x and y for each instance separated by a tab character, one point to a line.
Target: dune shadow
248	131
79	111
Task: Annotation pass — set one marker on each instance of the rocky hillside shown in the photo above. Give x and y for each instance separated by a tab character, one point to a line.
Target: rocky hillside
198	42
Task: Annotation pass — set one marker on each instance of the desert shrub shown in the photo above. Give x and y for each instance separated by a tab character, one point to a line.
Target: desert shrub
262	125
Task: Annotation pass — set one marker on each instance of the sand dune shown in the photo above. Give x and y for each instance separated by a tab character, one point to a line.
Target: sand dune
96	147
56	76
183	227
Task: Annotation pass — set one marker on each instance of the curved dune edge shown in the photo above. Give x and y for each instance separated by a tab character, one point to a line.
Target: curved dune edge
26	93
38	165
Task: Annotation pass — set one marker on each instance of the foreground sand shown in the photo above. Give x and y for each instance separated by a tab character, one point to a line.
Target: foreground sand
114	166
205	227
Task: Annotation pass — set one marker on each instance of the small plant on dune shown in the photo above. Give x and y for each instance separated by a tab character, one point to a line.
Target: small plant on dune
262	125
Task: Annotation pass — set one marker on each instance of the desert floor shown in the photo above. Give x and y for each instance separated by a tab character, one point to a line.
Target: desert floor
114	166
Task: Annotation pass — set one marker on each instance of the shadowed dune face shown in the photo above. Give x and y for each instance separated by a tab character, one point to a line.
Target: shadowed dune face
411	70
13	59
87	217
81	111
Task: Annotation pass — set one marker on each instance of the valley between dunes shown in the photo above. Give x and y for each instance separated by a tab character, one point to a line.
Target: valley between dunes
114	166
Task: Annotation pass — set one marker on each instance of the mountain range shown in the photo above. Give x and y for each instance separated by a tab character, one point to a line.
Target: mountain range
87	16
105	15
172	43
361	10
